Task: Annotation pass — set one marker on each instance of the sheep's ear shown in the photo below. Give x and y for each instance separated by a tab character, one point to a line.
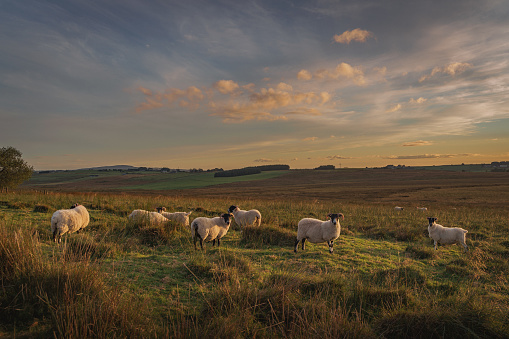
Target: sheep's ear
329	215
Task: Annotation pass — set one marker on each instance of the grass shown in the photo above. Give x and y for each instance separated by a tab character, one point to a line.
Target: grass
384	280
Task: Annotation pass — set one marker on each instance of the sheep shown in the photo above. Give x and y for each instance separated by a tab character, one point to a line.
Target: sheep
160	209
446	235
146	217
317	231
207	229
245	218
398	208
69	221
422	209
181	218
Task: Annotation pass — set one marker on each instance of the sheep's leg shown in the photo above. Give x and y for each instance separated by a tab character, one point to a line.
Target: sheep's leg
436	243
296	244
218	242
303	242
331	244
55	235
194	239
465	247
213	242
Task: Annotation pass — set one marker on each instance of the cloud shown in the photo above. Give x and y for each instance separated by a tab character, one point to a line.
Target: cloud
343	70
337	157
452	69
156	100
310	139
427	156
304	75
417	143
226	86
264	160
354	35
233	116
420	100
393	109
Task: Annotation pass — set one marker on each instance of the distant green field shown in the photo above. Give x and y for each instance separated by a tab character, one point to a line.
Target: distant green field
194	180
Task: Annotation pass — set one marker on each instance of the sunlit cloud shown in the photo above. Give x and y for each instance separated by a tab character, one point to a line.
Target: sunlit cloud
310	139
394	108
226	86
428	156
452	69
304	75
342	71
265	160
357	34
338	157
417	143
420	100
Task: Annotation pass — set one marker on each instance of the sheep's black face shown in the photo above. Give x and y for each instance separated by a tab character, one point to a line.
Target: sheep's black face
334	217
432	220
232	208
226	218
75	205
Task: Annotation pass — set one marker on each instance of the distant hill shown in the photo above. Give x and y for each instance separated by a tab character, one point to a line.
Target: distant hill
115	167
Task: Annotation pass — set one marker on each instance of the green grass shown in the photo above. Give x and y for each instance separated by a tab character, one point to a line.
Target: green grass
384	280
194	180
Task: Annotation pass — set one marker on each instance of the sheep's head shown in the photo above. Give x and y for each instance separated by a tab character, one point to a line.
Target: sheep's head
160	209
431	220
232	208
335	216
226	218
75	205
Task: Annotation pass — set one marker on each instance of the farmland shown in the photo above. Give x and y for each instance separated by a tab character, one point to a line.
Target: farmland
384	279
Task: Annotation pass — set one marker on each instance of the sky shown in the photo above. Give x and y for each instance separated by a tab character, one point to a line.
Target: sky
229	84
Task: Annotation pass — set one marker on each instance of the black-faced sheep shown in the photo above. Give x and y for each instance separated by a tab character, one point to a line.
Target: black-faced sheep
207	229
446	235
69	221
245	218
317	231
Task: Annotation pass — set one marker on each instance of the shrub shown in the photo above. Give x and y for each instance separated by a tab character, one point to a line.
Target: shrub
255	236
41	208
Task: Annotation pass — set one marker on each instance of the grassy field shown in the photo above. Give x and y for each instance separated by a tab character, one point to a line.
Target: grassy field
384	279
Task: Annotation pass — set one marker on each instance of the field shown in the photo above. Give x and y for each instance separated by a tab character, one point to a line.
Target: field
384	280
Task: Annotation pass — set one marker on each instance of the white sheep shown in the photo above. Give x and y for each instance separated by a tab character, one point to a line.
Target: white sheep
69	221
446	235
422	209
245	218
207	229
143	217
181	218
317	231
398	208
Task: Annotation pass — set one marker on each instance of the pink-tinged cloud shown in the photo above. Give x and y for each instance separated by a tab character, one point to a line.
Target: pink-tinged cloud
417	143
310	139
452	69
189	98
304	75
342	71
236	116
357	34
394	108
427	156
337	157
420	100
226	86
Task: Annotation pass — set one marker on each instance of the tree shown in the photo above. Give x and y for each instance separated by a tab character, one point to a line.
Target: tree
13	169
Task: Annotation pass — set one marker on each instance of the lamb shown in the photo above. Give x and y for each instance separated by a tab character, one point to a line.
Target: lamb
446	235
398	208
317	231
145	217
181	218
245	218
69	221
207	229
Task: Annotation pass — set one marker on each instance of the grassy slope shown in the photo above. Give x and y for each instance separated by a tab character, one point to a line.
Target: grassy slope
384	279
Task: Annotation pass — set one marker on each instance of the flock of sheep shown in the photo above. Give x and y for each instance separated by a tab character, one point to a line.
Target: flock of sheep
211	229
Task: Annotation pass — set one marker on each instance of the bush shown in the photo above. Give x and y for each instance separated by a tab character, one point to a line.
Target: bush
255	236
